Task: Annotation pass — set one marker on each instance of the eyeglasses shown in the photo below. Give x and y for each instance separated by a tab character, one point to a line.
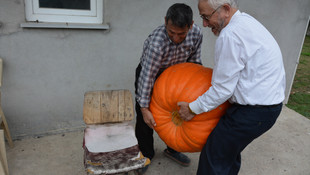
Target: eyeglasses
207	18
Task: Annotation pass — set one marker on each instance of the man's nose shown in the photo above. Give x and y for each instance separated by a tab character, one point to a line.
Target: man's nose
176	38
205	23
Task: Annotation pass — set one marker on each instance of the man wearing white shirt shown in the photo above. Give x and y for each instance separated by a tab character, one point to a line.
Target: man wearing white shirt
249	72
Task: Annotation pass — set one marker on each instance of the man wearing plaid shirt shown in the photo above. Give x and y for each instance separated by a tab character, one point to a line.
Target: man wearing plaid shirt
177	41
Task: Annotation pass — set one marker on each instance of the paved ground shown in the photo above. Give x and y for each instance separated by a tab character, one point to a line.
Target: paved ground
283	150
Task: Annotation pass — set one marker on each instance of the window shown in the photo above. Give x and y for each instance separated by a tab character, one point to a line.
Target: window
65	11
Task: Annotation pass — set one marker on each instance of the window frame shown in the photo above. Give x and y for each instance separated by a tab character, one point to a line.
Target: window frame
37	14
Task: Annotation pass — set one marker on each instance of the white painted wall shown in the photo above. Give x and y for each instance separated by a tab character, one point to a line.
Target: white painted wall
47	71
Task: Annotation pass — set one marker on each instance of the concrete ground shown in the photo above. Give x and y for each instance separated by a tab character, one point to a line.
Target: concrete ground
283	150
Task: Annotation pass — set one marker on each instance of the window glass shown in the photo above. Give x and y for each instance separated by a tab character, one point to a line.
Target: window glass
65	11
65	4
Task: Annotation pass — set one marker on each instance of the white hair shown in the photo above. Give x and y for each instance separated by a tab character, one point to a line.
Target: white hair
216	3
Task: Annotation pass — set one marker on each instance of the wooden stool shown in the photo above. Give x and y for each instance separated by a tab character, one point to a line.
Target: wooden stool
110	145
3	123
3	161
5	126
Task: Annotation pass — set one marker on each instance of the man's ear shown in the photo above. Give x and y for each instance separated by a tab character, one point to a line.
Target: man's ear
166	22
227	9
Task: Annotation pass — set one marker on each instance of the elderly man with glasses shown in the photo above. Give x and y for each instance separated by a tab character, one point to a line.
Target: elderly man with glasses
249	72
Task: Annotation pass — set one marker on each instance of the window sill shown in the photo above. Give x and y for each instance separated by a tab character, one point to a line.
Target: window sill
65	26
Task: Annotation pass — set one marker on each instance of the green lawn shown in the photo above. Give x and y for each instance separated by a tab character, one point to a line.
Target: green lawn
299	99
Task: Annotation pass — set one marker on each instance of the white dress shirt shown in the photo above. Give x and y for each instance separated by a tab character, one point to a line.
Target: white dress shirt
248	67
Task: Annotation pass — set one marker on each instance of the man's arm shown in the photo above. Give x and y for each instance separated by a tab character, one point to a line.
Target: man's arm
148	117
150	64
149	70
228	65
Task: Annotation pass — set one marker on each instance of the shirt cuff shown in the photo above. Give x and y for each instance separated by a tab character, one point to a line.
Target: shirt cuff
144	103
194	106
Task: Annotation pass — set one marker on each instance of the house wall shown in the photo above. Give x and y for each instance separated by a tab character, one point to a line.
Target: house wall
47	71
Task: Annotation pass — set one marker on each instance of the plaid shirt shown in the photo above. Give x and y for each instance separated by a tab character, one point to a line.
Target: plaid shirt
159	52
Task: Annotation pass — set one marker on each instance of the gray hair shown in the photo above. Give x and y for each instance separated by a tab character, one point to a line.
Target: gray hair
216	3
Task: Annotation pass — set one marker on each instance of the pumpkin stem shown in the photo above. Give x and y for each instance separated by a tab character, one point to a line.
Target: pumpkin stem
176	119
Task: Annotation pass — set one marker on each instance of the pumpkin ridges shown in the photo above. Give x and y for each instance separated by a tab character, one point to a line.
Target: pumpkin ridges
172	95
205	129
158	99
199	137
170	91
187	91
189	86
183	82
188	138
174	99
184	144
171	134
166	130
160	113
196	122
195	90
162	92
169	100
191	91
174	88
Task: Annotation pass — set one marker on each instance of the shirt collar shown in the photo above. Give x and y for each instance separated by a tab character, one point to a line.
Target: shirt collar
166	33
237	13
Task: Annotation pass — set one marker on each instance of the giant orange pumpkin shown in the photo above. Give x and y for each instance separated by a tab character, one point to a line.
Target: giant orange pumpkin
183	82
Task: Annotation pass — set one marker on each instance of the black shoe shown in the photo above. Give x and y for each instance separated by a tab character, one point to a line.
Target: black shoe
180	158
141	171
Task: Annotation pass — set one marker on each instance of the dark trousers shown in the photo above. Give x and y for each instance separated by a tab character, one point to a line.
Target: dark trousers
221	155
143	132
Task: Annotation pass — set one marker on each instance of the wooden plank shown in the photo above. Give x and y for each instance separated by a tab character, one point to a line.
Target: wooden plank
3	160
121	106
107	106
4	125
129	107
91	107
1	66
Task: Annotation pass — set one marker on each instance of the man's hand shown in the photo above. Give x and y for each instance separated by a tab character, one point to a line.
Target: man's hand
185	112
148	117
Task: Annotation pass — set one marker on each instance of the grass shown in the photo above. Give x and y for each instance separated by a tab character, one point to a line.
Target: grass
299	99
